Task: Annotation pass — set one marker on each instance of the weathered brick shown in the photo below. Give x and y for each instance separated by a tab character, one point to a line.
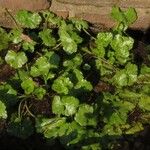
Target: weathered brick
103	20
31	5
64	14
98	11
94	11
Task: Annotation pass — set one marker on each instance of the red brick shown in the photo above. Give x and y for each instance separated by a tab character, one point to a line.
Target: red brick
64	14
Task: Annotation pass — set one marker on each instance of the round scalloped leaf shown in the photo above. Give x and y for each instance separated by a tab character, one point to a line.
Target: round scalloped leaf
131	15
16	60
62	85
79	24
85	116
82	83
144	103
3	112
29	46
28	19
41	67
73	63
15	35
104	38
120	78
71	104
68	43
127	17
122	46
50	127
57	106
40	92
28	85
126	76
53	59
47	38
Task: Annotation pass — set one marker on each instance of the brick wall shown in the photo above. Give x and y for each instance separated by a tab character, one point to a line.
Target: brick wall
95	11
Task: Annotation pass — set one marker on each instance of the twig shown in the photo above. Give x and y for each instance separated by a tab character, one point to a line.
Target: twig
29	110
12	17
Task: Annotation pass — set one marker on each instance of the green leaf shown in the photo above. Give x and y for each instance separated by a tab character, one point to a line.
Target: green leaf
69	39
67	105
86	67
120	78
131	15
69	45
99	51
104	39
73	63
82	83
4	39
3	112
112	130
85	116
34	71
16	60
71	104
124	106
44	64
28	85
127	76
40	92
131	71
49	127
127	17
145	69
47	38
29	46
79	24
104	69
57	106
62	85
41	67
136	128
51	18
74	134
8	95
21	129
28	19
53	59
15	35
74	35
144	103
117	118
122	46
117	14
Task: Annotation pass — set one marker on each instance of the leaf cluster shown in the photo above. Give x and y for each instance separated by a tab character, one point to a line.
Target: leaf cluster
53	61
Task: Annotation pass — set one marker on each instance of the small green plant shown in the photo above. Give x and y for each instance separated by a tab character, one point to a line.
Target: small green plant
93	90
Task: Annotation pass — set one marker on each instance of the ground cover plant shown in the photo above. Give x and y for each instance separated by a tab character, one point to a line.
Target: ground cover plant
90	89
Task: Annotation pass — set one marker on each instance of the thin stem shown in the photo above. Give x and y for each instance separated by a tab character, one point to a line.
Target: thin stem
56	46
89	34
29	110
12	17
102	59
19	109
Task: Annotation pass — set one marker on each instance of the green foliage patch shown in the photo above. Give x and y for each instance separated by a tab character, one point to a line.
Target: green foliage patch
93	84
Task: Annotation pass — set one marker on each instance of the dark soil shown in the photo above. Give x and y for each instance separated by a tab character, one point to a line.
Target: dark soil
35	142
